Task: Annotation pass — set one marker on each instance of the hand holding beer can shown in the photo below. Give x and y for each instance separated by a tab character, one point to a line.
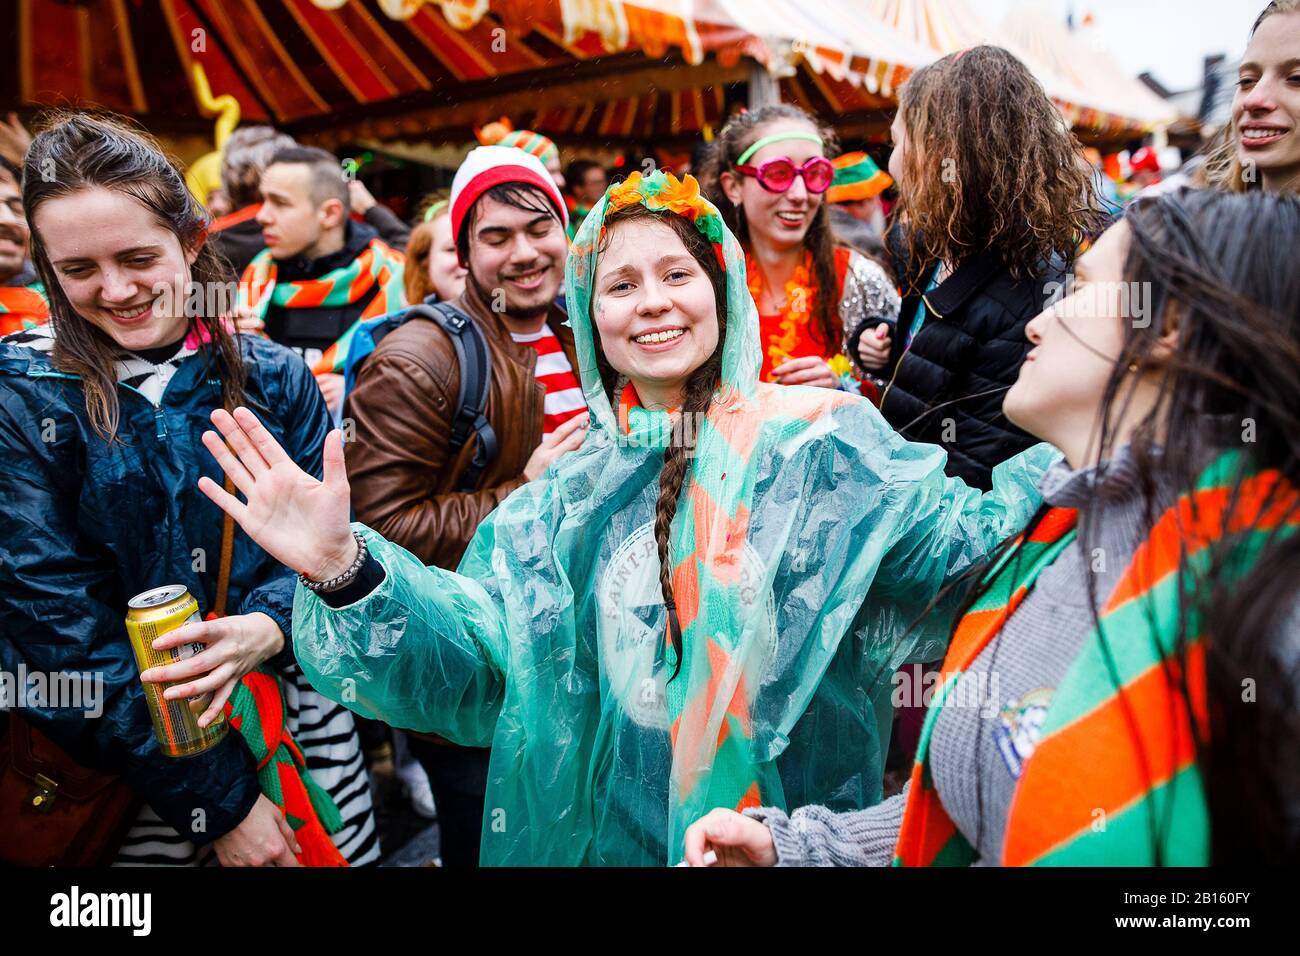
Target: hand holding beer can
175	722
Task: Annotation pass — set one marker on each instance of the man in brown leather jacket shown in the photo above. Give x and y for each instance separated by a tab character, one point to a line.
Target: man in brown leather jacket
509	222
511	238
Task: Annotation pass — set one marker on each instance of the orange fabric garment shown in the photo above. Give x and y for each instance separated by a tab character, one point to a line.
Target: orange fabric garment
789	334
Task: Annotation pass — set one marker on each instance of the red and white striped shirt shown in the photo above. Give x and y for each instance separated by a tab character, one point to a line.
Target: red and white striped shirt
563	390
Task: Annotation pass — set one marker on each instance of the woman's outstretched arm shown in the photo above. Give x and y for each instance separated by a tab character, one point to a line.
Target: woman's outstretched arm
424	649
809	836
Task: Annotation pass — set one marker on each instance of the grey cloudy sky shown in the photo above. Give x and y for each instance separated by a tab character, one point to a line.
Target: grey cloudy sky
1168	37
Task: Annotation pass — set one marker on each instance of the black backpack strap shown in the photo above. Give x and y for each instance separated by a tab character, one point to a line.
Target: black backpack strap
475	378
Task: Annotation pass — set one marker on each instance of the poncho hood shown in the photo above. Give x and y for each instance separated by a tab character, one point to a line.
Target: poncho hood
662	193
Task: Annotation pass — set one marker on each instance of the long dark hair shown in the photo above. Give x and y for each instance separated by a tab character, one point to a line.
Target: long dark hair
699	394
737	136
1219	268
991	165
78	151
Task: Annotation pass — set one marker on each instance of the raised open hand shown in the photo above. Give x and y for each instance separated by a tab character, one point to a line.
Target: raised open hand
298	520
14	141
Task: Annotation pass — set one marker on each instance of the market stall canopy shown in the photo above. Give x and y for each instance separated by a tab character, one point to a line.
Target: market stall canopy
329	69
1106	95
1100	100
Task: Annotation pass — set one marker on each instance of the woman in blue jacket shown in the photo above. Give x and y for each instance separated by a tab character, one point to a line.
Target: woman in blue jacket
100	417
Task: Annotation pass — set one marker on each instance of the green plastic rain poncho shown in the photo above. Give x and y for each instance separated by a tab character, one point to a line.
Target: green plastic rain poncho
809	536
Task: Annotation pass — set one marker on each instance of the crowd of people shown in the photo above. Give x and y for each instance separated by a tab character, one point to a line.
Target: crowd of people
619	505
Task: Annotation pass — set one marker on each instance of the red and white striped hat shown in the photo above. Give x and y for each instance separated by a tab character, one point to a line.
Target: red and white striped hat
488	166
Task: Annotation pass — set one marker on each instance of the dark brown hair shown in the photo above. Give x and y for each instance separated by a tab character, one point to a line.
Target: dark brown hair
990	165
325	174
736	137
699	393
77	152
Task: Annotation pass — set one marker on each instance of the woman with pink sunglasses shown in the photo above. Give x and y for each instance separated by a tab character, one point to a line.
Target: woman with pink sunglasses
768	174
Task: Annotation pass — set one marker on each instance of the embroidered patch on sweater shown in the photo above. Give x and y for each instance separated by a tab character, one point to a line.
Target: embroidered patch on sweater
1020	723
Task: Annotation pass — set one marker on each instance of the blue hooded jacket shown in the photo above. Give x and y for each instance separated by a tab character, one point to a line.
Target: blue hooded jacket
85	525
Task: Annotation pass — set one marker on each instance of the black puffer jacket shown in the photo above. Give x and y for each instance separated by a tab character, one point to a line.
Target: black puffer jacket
968	352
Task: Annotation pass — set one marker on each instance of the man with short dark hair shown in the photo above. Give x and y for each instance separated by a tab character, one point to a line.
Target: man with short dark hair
22	297
587	183
321	272
238	236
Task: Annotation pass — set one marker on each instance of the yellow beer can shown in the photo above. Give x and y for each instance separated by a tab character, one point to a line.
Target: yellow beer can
175	722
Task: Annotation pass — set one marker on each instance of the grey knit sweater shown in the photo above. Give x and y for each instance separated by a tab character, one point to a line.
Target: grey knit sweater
981	741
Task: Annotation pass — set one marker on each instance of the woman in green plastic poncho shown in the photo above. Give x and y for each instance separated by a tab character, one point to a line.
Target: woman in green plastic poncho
803	537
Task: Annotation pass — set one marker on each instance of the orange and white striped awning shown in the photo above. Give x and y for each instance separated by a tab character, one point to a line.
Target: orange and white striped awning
330	70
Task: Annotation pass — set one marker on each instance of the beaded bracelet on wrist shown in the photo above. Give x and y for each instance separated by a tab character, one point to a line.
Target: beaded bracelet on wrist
342	580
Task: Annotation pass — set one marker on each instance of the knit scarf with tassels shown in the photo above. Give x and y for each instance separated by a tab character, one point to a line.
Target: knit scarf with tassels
376	265
1114	755
256	709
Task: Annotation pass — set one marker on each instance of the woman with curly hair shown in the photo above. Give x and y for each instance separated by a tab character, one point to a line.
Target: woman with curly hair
768	173
995	196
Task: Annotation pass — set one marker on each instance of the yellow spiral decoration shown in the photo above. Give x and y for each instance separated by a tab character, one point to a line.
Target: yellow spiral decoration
204	174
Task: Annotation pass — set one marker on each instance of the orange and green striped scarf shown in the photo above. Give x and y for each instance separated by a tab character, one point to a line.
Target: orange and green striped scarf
256	710
713	531
1111	759
377	265
22	307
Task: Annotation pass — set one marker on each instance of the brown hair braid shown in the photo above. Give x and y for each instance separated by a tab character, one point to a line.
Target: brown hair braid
698	396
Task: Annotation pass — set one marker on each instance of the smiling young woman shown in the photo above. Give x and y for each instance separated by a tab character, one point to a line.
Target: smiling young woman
1264	147
97	432
768	172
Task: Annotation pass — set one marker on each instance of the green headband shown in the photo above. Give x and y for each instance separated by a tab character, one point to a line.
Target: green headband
776	138
434	209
